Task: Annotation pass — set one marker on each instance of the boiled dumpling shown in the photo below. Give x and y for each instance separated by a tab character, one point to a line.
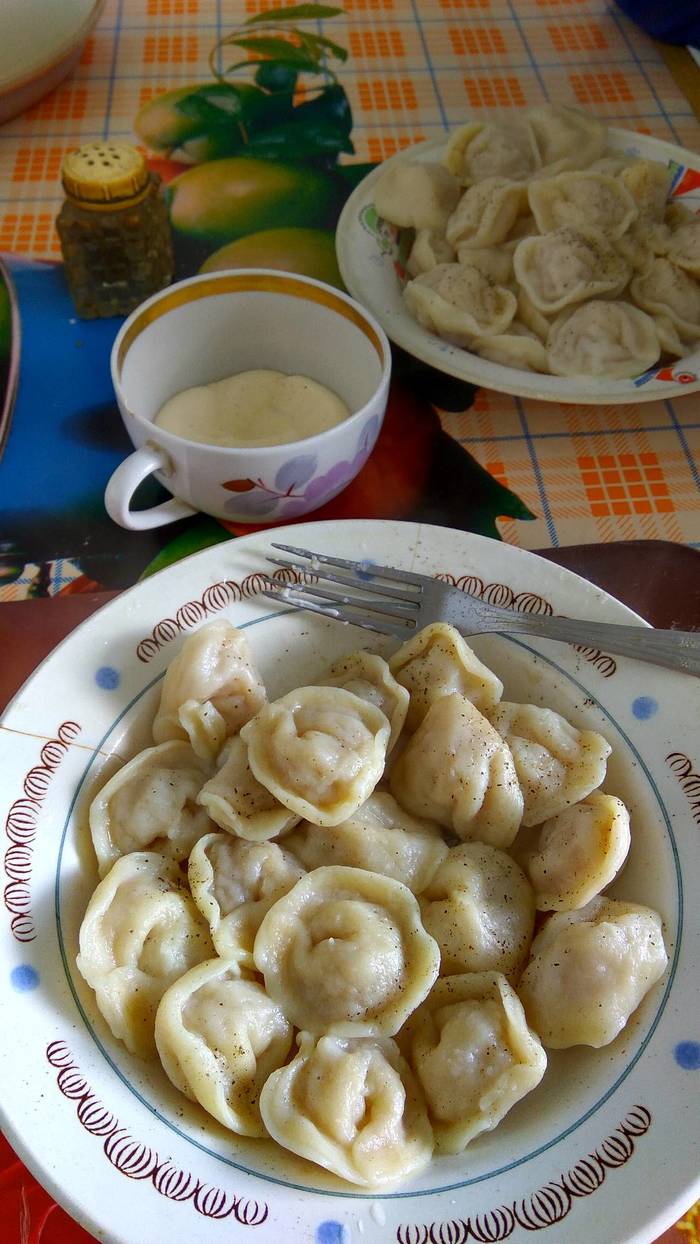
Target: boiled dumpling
368	675
351	1105
683	248
649	184
150	803
480	909
380	837
236	800
213	680
438	661
493	262
579	852
346	947
319	750
141	931
429	249
234	884
484	149
559	269
565	137
473	1054
611	339
582	200
531	317
416	195
486	212
671	291
517	347
458	303
589	971
557	765
219	1037
458	771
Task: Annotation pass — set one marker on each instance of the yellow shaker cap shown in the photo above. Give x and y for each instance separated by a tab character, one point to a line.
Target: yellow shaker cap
104	172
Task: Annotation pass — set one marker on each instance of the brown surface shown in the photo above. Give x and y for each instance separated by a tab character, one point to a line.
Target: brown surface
659	580
684	69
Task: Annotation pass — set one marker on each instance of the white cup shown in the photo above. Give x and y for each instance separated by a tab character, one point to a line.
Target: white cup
213	326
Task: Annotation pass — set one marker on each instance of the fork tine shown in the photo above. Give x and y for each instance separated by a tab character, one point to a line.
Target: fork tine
396	630
345	580
385	572
393	609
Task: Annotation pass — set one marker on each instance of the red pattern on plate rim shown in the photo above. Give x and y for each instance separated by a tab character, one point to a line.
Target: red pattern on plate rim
20	827
546	1206
227	592
138	1161
682	768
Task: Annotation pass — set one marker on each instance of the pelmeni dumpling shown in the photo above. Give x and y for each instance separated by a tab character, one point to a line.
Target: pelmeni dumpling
493	262
234	884
531	317
473	1054
345	948
429	249
486	212
368	675
458	771
150	803
219	1037
683	248
351	1105
589	971
582	200
480	909
381	837
518	347
140	932
566	138
319	750
611	339
484	149
556	764
578	853
236	800
559	269
649	184
671	291
212	678
438	661
459	303
416	195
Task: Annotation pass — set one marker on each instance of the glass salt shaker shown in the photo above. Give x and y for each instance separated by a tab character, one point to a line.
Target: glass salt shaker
114	229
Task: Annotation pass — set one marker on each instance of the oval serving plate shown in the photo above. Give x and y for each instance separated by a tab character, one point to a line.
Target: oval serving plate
609	1136
371	265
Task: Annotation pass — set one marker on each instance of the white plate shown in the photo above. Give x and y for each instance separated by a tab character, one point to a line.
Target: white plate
41	42
372	269
610	1136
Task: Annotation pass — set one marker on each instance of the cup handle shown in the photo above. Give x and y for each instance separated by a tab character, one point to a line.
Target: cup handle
123	484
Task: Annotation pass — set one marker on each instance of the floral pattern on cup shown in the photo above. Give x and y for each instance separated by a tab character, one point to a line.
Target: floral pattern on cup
296	488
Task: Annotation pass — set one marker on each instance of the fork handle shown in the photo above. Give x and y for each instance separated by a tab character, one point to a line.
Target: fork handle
675	650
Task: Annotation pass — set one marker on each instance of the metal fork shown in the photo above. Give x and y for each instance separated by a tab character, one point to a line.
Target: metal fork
399	603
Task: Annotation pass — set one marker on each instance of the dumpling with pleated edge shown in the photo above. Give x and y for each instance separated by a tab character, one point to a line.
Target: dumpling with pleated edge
612	339
473	1054
234	884
589	970
458	303
219	1037
416	195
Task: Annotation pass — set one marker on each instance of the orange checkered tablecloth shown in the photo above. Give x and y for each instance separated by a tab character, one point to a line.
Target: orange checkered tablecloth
415	68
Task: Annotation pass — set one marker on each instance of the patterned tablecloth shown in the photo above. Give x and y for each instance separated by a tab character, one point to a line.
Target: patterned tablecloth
537	474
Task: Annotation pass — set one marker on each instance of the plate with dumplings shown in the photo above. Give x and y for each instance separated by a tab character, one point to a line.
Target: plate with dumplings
545	255
306	932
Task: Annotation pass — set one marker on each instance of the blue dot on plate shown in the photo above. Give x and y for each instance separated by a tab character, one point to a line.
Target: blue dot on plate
331	1232
24	978
107	678
644	707
687	1055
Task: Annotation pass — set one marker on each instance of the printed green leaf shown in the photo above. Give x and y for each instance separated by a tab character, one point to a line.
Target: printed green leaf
320	42
280	50
295	13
